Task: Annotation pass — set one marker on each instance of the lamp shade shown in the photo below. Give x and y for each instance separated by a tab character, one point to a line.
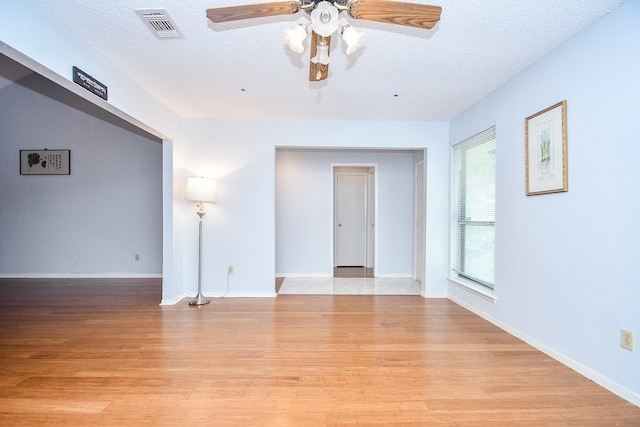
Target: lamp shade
295	36
352	38
200	189
322	53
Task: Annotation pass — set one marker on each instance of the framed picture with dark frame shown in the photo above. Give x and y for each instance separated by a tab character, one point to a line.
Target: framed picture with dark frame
45	162
546	151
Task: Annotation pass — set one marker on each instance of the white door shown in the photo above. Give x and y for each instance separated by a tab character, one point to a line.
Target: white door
350	221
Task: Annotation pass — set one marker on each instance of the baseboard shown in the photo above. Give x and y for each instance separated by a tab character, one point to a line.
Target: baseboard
81	276
585	371
173	301
434	295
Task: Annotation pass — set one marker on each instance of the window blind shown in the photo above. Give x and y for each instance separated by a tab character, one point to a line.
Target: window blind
474	196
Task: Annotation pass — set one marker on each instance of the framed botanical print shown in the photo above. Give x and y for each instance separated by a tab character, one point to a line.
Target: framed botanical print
546	150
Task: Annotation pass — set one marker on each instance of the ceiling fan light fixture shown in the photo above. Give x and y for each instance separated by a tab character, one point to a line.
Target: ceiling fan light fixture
352	38
324	19
322	53
325	22
295	36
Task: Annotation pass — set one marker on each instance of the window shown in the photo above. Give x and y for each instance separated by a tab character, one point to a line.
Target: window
473	199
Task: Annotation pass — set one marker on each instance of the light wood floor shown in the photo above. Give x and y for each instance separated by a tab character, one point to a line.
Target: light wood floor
103	353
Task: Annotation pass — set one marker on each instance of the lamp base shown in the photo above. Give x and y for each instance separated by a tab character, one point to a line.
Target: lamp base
199	300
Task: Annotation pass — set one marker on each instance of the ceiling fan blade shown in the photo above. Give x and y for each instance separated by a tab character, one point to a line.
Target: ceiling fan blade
250	11
318	71
394	12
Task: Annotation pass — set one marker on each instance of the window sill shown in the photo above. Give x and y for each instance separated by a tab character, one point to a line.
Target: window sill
473	287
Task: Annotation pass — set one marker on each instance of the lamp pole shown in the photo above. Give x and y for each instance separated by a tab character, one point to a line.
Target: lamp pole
199	298
200	190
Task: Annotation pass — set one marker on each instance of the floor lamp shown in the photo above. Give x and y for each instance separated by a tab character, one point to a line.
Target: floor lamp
200	190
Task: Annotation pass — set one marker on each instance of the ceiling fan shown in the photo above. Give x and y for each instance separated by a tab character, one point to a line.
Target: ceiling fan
325	21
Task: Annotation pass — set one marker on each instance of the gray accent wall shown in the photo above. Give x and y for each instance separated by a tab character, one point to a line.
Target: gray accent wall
89	223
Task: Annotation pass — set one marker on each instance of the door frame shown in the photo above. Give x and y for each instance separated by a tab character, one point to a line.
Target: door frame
370	246
419	225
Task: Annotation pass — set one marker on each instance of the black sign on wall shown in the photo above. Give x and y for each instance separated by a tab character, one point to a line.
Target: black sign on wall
89	83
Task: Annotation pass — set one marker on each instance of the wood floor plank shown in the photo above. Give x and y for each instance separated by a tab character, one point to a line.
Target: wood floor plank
104	353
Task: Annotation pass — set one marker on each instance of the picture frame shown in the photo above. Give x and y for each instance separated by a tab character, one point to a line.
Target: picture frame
45	162
546	159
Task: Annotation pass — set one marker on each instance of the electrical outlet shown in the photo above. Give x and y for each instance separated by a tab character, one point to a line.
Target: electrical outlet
626	339
137	257
230	269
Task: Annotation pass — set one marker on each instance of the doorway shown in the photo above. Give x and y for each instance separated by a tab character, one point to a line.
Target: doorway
354	219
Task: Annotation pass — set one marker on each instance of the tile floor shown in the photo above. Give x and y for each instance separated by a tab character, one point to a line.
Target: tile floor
349	286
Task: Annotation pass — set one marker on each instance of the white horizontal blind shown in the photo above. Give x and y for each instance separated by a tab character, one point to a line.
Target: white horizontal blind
474	196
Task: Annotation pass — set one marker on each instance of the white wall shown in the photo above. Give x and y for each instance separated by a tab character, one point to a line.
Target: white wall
566	276
304	210
91	222
240	228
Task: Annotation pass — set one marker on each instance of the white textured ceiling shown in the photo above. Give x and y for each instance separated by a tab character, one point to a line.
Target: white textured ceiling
245	70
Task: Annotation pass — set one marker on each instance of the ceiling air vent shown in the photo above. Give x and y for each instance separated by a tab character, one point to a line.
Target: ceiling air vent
160	23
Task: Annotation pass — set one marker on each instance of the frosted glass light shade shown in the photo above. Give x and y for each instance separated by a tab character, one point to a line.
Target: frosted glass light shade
322	54
295	36
352	38
200	189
